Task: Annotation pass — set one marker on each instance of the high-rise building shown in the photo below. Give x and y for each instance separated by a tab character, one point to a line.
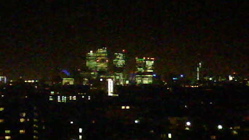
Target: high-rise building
119	65
198	70
97	62
20	117
145	69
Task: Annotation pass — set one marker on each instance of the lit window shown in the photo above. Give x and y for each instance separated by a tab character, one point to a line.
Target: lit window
35	125
80	130
213	137
7	131
1	109
137	121
21	131
169	135
1	120
51	98
64	99
22	120
188	123
58	99
74	97
236	127
7	137
219	127
23	114
80	137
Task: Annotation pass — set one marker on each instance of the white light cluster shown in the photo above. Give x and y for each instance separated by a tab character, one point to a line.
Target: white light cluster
125	107
110	87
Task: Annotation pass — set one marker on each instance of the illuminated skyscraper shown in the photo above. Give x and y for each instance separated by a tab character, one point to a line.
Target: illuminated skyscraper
91	61
198	70
119	64
97	62
145	69
101	60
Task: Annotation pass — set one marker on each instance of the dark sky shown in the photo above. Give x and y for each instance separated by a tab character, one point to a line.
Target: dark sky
38	35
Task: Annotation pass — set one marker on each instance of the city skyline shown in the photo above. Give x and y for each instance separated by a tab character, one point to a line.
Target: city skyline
39	36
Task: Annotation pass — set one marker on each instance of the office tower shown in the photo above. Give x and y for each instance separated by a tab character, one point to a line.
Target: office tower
97	62
20	117
119	64
145	69
101	60
198	70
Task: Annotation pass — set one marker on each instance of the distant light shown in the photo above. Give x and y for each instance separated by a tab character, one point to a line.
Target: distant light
71	122
169	135
7	137
175	78
1	120
7	131
188	123
154	75
80	130
1	108
219	127
21	131
22	120
101	79
127	107
181	75
137	121
110	87
187	128
123	107
80	137
234	132
23	114
213	137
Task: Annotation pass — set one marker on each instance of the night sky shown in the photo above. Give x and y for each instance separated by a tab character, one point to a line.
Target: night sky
39	35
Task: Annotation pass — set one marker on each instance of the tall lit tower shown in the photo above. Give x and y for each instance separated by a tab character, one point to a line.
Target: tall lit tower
198	70
102	60
145	69
119	64
97	62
